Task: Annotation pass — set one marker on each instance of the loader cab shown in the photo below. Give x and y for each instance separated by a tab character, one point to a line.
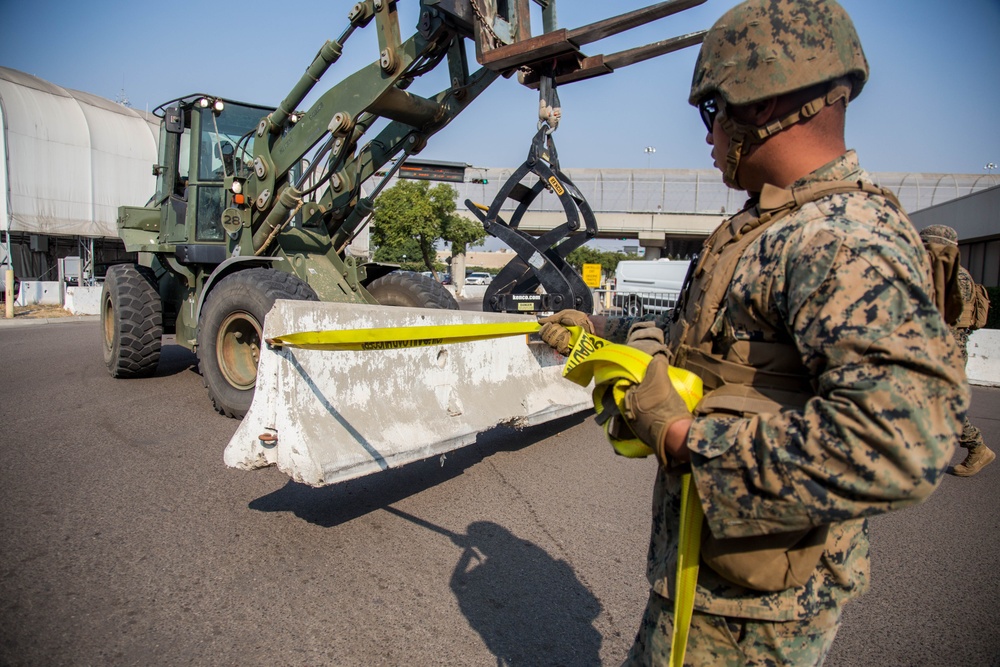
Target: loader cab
199	136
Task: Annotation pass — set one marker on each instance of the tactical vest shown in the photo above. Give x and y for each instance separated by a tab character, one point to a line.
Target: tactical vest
750	377
745	377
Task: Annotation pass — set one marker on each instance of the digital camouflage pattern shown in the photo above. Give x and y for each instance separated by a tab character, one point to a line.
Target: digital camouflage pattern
765	48
845	281
715	640
939	234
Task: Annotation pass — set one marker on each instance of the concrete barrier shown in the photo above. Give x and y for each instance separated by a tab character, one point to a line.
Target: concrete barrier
984	358
83	300
329	416
42	292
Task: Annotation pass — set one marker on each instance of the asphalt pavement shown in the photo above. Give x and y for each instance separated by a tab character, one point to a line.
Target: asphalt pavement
126	541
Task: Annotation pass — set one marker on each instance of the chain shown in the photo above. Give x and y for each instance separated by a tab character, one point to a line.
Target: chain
497	42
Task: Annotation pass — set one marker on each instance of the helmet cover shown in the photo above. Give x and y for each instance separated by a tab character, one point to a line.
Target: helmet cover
939	234
765	48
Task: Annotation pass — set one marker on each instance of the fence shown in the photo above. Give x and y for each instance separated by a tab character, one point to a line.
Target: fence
633	304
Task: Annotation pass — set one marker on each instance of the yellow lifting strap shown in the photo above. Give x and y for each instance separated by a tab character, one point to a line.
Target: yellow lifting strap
393	338
612	367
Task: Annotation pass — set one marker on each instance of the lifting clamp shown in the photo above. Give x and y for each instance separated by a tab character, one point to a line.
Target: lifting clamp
540	262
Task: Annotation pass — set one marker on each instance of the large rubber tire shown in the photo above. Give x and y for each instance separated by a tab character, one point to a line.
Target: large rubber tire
229	337
406	288
131	321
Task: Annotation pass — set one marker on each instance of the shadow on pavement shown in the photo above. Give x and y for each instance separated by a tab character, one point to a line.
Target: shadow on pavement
528	607
174	360
333	505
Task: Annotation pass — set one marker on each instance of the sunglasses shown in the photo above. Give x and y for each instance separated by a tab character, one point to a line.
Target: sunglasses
709	109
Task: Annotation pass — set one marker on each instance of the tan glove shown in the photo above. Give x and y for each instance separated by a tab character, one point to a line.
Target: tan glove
653	405
647	337
555	333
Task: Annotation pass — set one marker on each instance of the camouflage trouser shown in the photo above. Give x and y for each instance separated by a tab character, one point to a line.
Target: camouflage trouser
971	437
724	642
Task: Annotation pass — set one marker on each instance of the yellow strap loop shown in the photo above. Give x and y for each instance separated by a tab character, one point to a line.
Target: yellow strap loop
614	368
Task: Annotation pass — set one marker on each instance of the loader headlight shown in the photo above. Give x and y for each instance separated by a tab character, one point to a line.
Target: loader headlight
216	105
237	187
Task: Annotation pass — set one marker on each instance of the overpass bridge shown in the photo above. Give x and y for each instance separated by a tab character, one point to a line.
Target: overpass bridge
671	211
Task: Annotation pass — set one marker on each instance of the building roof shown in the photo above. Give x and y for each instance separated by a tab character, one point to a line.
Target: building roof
72	158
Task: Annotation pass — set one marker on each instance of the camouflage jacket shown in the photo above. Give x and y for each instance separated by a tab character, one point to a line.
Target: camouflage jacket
844	280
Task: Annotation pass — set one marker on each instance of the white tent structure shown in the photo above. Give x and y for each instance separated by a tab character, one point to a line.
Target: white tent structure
69	160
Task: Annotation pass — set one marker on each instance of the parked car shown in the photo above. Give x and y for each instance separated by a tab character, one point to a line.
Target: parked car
476	278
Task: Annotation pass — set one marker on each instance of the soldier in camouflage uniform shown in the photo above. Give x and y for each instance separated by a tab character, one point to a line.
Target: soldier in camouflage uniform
979	455
834	391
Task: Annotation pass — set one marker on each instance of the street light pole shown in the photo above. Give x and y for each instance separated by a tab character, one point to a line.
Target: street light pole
649	150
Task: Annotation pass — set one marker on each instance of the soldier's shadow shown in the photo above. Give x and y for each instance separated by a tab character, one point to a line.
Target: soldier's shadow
529	608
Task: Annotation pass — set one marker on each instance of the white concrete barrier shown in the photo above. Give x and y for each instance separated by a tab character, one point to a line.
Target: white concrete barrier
83	300
42	292
329	416
984	358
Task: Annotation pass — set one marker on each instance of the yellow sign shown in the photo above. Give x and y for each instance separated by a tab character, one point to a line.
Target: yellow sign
592	275
556	185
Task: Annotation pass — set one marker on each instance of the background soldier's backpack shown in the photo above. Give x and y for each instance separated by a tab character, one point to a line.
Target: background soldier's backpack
980	306
945	266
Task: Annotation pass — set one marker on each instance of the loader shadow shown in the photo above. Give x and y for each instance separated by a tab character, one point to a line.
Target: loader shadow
333	505
529	608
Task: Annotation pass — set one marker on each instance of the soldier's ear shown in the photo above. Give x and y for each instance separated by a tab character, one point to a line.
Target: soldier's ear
756	114
763	112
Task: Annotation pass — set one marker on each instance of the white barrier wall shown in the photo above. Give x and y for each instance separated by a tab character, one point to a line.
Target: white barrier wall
83	300
44	292
984	358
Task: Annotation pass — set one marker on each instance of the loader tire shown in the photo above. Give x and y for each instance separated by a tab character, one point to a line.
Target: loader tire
406	288
229	337
132	321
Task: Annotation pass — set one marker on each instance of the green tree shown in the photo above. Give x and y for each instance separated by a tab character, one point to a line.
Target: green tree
587	255
462	233
411	218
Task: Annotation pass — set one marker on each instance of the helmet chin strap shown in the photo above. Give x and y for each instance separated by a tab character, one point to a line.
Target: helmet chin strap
743	136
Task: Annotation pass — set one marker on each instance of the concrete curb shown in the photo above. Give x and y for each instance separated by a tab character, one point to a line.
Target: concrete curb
32	321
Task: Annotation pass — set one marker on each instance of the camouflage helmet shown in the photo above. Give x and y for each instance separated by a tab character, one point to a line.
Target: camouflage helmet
939	234
765	48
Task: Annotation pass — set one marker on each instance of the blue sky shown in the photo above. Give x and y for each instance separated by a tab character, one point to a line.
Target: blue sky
930	106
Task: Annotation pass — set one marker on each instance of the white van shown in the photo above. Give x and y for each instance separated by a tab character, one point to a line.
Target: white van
644	286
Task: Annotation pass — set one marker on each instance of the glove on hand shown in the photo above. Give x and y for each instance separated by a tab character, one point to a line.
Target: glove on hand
653	405
555	333
647	337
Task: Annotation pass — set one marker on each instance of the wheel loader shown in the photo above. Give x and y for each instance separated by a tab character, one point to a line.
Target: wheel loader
256	207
